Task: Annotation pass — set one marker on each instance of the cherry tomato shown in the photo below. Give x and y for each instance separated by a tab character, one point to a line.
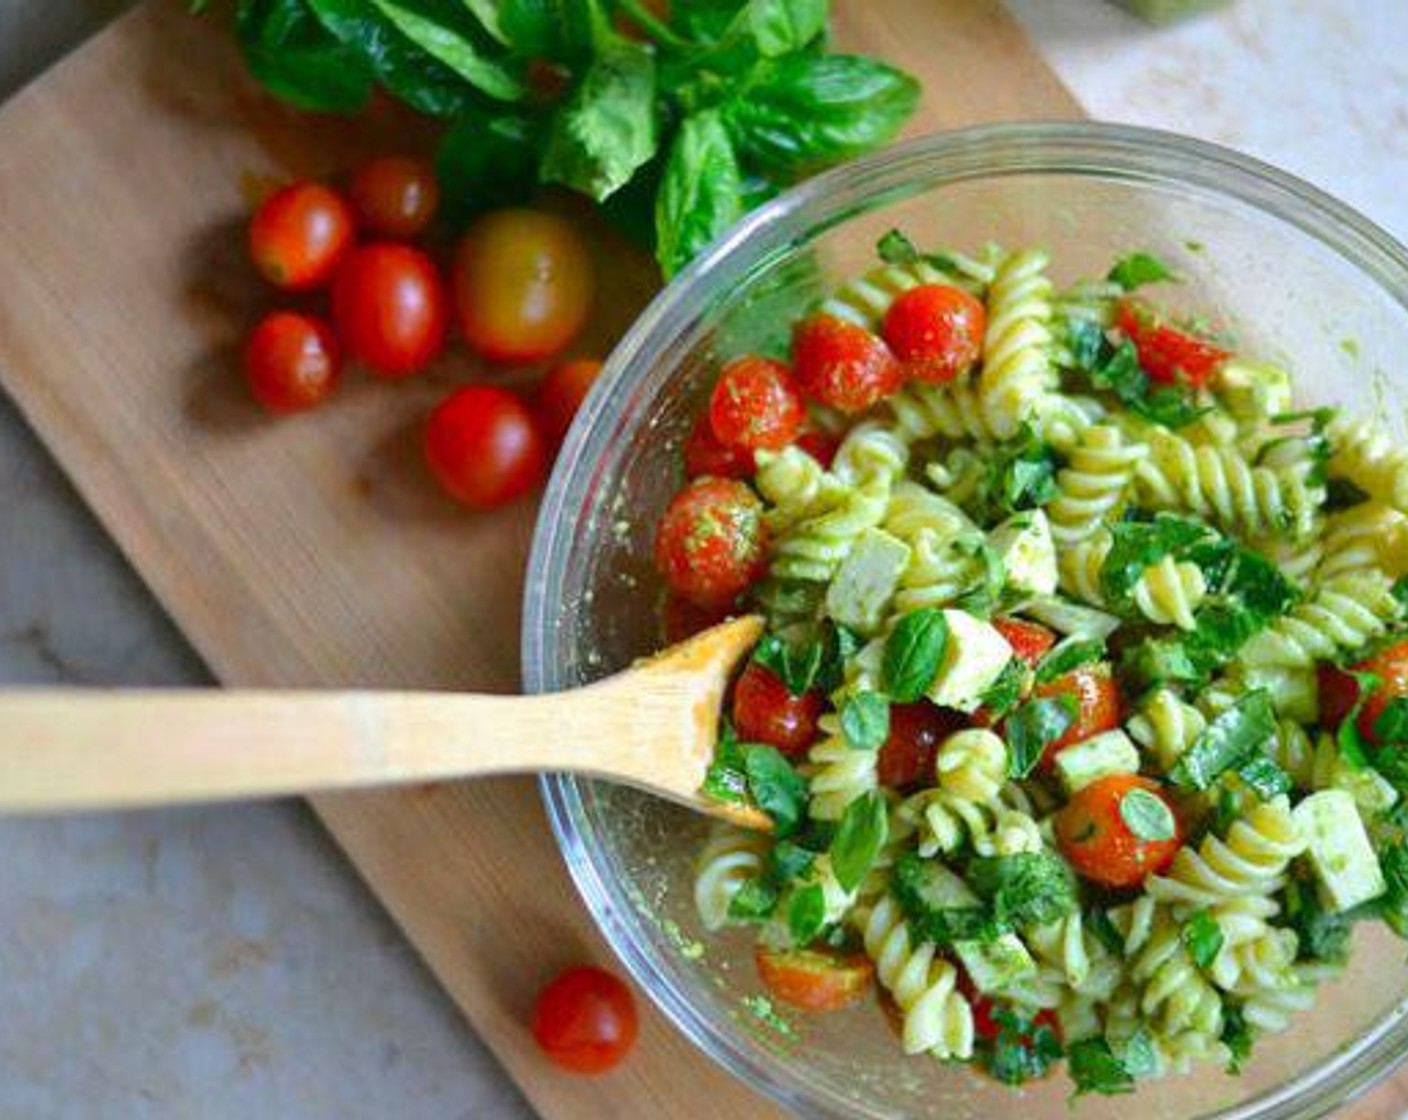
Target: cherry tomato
681	619
585	1020
1166	353
705	455
756	405
711	544
936	331
292	362
561	394
299	234
482	445
842	365
916	730
523	285
986	1026
813	979
389	306
1030	641
1099	844
1339	691
765	712
394	196
1097	700
820	446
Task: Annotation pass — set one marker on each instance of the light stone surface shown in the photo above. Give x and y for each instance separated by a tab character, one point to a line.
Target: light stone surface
227	962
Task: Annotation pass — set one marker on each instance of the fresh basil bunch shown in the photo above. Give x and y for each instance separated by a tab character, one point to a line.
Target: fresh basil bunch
684	124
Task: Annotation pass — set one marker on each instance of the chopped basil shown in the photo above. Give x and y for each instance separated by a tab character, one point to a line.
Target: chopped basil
1392	725
1137	544
1085	340
1006	692
1147	815
1202	937
1118	370
1237	1037
982	599
726	779
1137	1054
864	828
1265	776
806	914
1024	1049
1227	742
1138	269
776	787
1032	728
754	901
1025	889
1227	810
795	666
1095	1069
1097	921
921	887
865	721
1020	475
895	248
1393	904
1321	935
914	652
1069	654
789	861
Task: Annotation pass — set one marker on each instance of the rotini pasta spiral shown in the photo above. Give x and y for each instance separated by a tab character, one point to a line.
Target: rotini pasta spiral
1086	965
1017	372
839	773
953	411
870	451
972	764
1250	861
1344	613
944	823
730	857
1173	994
1165	726
1169	591
1079	567
945	560
1093	485
1363	451
1270	1009
1360	539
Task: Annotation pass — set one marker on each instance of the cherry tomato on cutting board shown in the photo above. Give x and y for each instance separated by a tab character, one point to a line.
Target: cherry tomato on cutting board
389	307
585	1020
1339	691
705	454
711	544
394	196
482	445
756	405
523	285
842	365
916	730
814	979
1096	697
561	394
299	235
1093	833
764	711
936	331
292	362
1167	354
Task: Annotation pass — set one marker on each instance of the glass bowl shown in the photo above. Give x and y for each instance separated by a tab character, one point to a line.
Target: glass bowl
1295	275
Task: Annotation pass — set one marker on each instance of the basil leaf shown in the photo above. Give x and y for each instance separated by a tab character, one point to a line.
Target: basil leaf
1391	728
292	54
1237	1037
865	721
1137	1054
1392	905
914	653
788	861
1399	591
453	47
796	666
1021	475
864	828
1202	937
1085	340
1034	726
780	27
895	248
726	779
754	901
1006	692
1026	889
1024	1049
1137	544
776	787
606	130
700	195
1321	935
1069	654
1147	815
1265	777
797	114
1228	741
921	886
806	914
486	159
558	30
1097	920
1138	269
1120	373
1095	1069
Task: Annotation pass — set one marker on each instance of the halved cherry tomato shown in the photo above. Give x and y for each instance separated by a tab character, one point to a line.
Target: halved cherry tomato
299	234
681	619
1099	844
936	331
292	362
1097	700
916	730
843	365
1166	353
1339	691
561	394
704	454
482	445
585	1020
813	979
1030	641
711	544
523	285
764	711
755	405
394	196
389	307
820	446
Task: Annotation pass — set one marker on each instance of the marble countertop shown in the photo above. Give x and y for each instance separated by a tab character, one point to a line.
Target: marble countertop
227	962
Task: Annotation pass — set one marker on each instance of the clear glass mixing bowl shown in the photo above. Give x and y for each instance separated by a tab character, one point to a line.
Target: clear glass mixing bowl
1298	276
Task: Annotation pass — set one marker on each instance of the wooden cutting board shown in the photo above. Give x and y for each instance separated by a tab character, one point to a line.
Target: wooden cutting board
313	551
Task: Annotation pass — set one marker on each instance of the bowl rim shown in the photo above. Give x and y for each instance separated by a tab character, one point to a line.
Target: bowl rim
984	151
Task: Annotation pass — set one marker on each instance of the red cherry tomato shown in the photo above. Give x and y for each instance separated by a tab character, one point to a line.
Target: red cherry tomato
765	712
681	619
819	446
299	234
561	394
1097	842
936	331
813	979
916	730
483	447
986	1026
1097	701
394	196
705	455
292	362
523	285
843	365
585	1020
389	307
1166	353
756	405
1339	691
1030	641
711	544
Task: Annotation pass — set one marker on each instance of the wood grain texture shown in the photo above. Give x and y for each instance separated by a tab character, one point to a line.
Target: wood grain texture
312	551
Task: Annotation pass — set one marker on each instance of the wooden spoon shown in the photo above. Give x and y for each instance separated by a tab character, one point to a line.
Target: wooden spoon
652	726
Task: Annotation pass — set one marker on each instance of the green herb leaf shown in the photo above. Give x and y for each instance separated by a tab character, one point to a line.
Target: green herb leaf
782	26
1067	655
1202	937
796	666
914	652
1026	889
1147	815
606	130
776	787
1024	1049
1095	1069
1392	725
1033	727
1021	475
1138	269
726	779
755	901
1137	1054
700	195
806	914
789	860
1321	935
289	50
864	829
1138	544
1119	372
1237	1037
1393	903
1228	741
454	48
865	721
1265	777
921	886
486	159
1006	692
1097	920
895	248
